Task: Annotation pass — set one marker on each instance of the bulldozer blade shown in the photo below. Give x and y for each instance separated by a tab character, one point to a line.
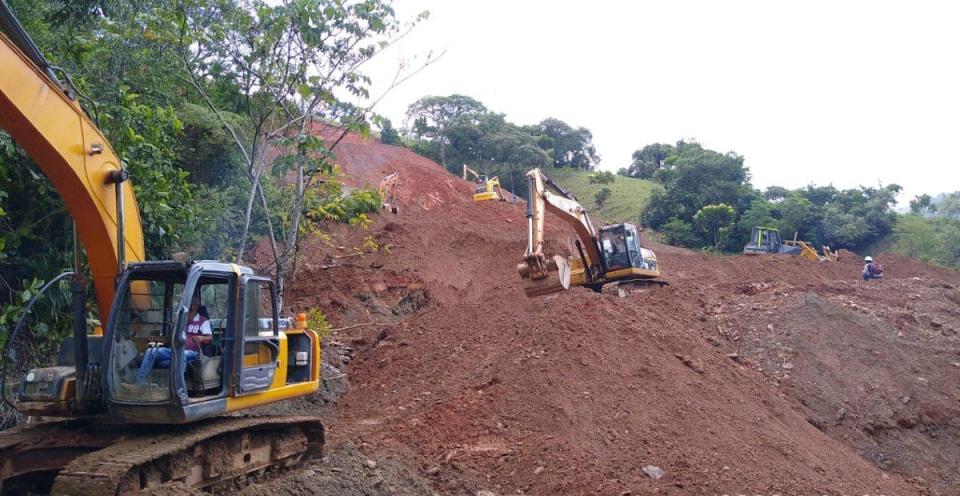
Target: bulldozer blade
557	278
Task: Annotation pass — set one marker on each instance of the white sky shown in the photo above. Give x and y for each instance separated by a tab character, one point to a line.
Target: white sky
848	93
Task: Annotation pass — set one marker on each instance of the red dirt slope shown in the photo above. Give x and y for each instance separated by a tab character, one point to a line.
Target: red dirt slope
479	388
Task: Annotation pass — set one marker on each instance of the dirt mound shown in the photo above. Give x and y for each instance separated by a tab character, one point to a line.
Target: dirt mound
731	380
874	364
576	395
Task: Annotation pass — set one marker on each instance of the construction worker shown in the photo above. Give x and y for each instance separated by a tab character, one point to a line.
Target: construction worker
871	269
198	332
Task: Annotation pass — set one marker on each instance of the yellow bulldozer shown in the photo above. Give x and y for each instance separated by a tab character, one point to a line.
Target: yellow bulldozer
767	240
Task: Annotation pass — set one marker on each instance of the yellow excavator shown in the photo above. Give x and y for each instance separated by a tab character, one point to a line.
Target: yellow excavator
390	193
487	188
143	403
608	260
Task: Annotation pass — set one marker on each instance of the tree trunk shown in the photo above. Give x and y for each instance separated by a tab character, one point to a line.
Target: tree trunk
248	213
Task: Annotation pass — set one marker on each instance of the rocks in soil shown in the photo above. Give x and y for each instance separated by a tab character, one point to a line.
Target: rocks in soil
653	471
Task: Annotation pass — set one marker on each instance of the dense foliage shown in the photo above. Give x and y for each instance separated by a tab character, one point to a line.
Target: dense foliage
931	232
212	105
698	181
458	129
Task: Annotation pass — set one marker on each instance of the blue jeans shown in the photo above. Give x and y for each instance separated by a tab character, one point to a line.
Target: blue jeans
162	355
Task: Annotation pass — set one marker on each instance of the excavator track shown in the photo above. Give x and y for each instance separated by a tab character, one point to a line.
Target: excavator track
623	288
214	455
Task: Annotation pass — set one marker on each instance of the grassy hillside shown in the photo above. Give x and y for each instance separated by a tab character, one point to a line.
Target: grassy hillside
628	199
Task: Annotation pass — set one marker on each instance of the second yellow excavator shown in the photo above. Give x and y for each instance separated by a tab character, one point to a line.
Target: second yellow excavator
390	193
488	188
608	260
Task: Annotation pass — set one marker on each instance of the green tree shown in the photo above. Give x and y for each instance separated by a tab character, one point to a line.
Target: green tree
923	239
922	204
389	135
678	233
567	146
798	215
649	159
602	195
695	177
287	63
774	193
949	206
715	221
760	214
602	177
433	115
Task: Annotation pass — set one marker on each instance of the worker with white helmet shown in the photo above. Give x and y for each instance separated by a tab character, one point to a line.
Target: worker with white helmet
871	269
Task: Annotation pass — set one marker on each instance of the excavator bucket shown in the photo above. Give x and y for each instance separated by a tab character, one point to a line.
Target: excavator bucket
556	278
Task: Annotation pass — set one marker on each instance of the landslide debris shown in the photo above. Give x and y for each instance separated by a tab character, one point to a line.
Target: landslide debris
759	375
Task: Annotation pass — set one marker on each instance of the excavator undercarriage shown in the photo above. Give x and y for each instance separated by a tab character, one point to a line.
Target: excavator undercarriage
80	458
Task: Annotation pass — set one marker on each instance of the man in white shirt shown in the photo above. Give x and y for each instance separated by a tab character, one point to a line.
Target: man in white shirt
198	333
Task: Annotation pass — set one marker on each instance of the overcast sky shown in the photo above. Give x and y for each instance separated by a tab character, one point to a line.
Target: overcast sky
848	93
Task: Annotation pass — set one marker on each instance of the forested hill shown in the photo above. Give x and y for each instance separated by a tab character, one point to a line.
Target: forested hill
695	197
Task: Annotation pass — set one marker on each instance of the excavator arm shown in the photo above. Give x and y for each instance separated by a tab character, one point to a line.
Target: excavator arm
469	173
390	192
73	153
544	274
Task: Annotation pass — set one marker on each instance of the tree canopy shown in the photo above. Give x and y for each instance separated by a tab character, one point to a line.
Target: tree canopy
695	178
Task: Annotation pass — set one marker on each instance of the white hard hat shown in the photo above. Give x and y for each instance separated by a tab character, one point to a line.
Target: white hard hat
868	259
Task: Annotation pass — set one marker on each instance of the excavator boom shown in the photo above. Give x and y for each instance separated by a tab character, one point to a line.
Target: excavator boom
76	157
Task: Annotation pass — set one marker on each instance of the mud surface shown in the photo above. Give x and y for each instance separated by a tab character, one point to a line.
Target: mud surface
747	375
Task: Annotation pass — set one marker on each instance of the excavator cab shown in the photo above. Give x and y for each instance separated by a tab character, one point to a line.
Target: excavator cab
155	371
149	368
621	249
763	240
768	240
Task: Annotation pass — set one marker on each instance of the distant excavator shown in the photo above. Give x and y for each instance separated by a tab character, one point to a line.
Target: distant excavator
767	240
390	193
487	188
610	260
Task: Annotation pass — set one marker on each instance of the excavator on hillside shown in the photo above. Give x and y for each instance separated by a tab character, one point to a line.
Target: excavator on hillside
608	260
390	192
487	188
183	344
767	240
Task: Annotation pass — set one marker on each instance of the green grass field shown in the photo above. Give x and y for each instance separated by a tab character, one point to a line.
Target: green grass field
628	198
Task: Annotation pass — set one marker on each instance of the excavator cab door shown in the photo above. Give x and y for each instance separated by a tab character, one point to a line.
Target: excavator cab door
258	347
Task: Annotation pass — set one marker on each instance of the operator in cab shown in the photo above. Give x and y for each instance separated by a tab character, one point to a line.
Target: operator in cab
198	333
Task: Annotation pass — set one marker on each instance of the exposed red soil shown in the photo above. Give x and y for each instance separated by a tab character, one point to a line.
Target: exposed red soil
838	387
